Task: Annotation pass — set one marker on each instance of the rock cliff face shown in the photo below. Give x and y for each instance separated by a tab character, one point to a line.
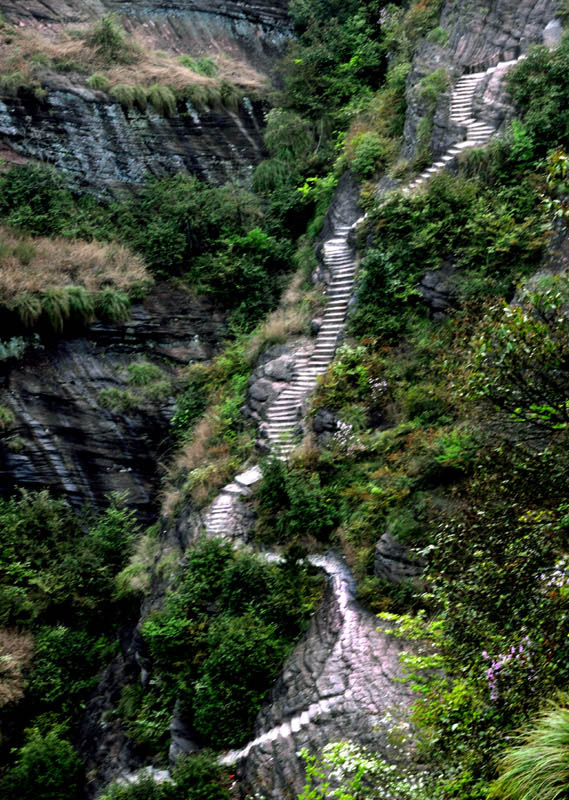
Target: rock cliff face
478	36
255	28
65	440
101	145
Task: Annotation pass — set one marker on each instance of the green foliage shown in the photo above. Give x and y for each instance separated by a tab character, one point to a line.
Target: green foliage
48	569
7	418
196	777
202	66
191	403
539	88
370	153
538	768
99	82
126	95
294	504
163	99
347	771
222	635
107	37
112	305
47	768
521	358
118	400
55	306
492	233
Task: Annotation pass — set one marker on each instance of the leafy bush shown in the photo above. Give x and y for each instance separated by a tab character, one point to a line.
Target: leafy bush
521	357
47	768
538	86
222	635
370	152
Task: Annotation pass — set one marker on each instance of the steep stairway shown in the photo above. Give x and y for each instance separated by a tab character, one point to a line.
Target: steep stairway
283	415
478	132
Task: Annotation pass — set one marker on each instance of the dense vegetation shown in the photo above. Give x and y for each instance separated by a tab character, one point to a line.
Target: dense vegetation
451	434
59	608
219	642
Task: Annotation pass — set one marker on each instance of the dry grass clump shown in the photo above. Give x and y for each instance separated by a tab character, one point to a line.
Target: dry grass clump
291	318
206	466
16	652
32	265
114	59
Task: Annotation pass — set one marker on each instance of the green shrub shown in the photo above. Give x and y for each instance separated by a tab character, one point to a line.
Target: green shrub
99	82
47	768
370	152
163	99
119	400
7	418
202	66
108	38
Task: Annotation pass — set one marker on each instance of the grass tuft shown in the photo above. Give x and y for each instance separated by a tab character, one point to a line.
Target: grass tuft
538	768
163	99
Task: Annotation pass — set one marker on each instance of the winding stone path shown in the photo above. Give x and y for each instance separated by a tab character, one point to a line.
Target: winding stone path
478	132
283	415
341	682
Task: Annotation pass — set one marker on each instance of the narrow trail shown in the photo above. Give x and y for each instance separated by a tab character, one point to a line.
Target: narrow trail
284	415
342	681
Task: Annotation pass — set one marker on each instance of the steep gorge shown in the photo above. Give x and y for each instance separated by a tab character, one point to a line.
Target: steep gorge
336	684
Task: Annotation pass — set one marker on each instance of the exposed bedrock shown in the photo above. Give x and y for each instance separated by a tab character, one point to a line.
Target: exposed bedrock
65	440
253	29
103	146
480	35
340	683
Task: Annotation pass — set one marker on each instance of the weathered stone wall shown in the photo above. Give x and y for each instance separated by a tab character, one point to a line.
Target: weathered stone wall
69	443
480	35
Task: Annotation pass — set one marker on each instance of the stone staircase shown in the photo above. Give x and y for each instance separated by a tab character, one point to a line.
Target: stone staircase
478	132
283	415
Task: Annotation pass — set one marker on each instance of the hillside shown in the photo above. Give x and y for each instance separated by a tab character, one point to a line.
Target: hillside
323	374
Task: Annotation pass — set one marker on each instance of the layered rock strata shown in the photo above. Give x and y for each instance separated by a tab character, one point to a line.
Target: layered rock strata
102	146
62	438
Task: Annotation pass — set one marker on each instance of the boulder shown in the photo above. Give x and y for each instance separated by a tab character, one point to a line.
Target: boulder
393	562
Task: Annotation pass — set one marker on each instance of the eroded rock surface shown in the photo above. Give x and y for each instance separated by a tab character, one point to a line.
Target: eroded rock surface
100	145
340	683
68	442
479	36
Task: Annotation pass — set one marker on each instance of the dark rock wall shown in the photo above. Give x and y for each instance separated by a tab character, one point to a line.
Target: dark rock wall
102	146
69	443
